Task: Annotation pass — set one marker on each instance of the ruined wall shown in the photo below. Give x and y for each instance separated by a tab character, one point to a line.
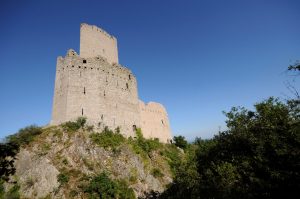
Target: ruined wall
154	121
91	87
94	42
95	86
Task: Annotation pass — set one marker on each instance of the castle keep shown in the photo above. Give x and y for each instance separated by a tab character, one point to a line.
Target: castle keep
94	85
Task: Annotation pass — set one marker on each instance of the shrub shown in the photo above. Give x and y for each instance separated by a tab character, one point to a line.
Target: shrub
13	193
63	178
108	139
171	153
101	186
8	153
140	144
180	142
157	173
25	135
74	126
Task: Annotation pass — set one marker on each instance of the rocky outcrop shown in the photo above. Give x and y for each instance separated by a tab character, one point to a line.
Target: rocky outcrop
74	154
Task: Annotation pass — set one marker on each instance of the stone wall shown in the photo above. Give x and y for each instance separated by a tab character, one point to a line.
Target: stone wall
96	42
154	121
91	87
95	86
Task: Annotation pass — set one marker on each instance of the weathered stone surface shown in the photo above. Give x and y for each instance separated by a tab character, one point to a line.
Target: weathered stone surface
94	85
36	175
37	168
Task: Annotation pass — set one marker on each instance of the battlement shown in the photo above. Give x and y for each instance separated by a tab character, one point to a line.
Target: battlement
93	27
94	85
94	42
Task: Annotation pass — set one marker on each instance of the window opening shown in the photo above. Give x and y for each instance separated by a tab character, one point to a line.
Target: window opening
134	127
84	61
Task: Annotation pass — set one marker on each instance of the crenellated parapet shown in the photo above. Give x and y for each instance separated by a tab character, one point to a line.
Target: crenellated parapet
94	85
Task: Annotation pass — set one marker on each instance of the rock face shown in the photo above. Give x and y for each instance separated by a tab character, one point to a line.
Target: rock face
74	154
36	174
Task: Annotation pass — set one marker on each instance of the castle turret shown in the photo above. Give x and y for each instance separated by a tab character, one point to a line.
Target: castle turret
93	85
96	42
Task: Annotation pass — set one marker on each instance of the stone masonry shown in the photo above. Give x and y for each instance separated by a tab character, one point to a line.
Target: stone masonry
95	86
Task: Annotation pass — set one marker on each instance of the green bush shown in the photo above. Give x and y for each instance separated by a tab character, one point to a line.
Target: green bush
157	173
256	157
2	190
171	153
25	135
140	144
74	126
180	142
63	178
108	139
13	193
101	186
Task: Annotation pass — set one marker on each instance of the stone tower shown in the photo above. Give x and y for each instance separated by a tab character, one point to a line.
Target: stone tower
94	85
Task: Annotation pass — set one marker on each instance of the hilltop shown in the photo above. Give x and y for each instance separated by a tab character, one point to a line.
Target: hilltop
73	161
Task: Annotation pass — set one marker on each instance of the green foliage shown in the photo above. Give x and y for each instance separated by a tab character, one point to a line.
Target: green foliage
73	193
13	192
157	173
101	186
172	154
8	153
74	126
180	142
25	135
108	139
63	178
2	189
142	145
257	157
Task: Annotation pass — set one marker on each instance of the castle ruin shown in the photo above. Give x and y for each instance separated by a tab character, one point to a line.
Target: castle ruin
94	85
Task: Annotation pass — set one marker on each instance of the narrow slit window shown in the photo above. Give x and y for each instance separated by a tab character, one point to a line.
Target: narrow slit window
104	94
83	90
134	128
162	122
127	85
102	117
82	111
129	76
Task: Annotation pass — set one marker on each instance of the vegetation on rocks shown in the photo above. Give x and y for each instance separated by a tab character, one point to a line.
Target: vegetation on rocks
101	186
258	156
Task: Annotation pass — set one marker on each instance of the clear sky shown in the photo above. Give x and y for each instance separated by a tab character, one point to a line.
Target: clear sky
197	58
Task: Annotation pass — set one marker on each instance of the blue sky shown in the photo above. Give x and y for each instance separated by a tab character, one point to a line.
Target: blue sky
198	58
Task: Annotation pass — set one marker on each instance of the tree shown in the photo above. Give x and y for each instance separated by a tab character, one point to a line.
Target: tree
180	142
257	157
8	152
